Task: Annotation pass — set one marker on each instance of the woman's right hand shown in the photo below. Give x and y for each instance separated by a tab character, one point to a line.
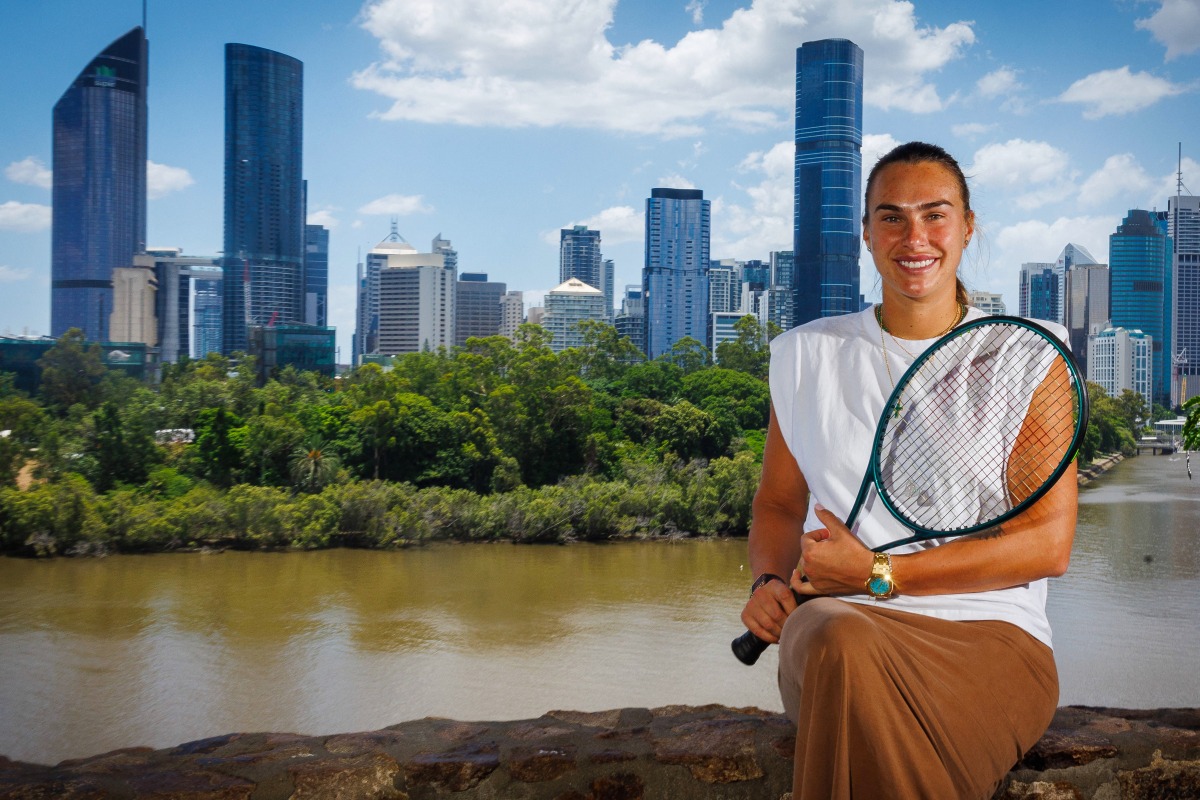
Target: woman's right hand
768	608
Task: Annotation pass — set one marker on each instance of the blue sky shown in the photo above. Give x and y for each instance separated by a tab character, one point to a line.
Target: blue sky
497	122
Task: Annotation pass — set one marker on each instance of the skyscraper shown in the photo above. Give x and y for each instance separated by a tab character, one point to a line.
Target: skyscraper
1183	218
1139	255
827	214
567	305
477	307
264	193
579	256
316	275
675	280
1039	291
416	297
99	185
1085	306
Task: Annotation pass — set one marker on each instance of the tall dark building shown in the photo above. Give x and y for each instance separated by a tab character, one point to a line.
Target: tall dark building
1139	262
828	227
675	278
476	307
264	193
316	275
99	194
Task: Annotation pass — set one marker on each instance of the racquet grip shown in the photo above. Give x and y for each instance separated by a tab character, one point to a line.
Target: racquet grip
748	647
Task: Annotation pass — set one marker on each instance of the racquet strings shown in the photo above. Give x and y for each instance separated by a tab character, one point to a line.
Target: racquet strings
977	428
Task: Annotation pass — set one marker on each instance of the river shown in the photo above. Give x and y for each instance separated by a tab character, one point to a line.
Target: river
97	654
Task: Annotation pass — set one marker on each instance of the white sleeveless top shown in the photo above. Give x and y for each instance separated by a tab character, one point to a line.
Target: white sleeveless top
828	386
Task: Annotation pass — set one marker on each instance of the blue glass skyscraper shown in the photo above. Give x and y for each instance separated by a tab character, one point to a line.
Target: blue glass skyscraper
99	188
675	280
264	193
827	214
1139	256
316	275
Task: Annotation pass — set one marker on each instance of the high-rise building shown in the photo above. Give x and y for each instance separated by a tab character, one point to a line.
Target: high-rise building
264	192
630	321
316	275
1183	219
416	298
724	287
783	295
1139	256
579	256
512	313
828	228
99	185
133	318
188	302
988	302
445	249
675	279
1085	306
1120	359
477	309
1073	255
1039	292
567	305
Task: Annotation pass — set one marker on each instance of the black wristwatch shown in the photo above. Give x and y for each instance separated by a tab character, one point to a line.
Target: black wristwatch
763	580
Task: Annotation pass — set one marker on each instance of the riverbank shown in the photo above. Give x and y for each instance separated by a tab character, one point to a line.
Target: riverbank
627	754
1098	467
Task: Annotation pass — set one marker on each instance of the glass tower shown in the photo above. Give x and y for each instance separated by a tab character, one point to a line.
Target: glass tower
1139	255
316	275
99	188
675	279
264	193
827	222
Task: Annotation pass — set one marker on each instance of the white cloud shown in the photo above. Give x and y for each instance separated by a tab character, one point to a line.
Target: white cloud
874	147
398	204
970	130
324	217
674	181
1118	91
1037	240
31	172
24	217
766	225
617	225
999	83
1165	186
1041	170
696	9
13	275
1176	24
517	63
162	180
1120	177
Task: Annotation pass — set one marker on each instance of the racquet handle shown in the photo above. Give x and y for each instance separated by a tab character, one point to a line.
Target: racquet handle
748	647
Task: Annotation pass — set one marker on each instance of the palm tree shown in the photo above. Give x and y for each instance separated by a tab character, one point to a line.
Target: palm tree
313	465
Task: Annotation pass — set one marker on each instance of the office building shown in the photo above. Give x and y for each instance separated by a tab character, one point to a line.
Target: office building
477	307
579	257
1073	255
1038	292
1120	359
416	297
724	286
988	302
98	185
1139	256
630	321
1085	306
512	313
828	178
264	192
675	277
567	305
445	249
783	295
133	317
187	303
723	330
1183	220
316	275
310	348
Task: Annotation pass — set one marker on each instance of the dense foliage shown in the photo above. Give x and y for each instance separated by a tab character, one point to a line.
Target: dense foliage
497	439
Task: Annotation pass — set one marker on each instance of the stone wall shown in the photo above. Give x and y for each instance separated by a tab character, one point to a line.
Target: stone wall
693	753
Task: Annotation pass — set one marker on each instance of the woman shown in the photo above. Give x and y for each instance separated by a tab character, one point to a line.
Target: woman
927	672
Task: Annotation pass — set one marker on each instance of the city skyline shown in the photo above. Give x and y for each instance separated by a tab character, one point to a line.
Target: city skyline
1059	142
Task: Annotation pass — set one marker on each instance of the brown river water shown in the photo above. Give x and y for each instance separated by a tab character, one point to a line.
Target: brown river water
97	654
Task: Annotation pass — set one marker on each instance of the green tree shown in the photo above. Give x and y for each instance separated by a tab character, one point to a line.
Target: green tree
1191	426
72	371
690	355
749	352
220	438
120	450
314	465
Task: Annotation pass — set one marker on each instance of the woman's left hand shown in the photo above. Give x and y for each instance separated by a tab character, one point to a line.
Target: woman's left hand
832	560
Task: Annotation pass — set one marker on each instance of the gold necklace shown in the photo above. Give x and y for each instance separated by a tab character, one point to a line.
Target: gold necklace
962	313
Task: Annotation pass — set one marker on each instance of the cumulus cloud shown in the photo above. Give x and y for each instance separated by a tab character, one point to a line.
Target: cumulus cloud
1118	91
13	275
674	181
400	205
970	130
617	225
1038	240
765	224
999	83
518	63
162	180
324	217
1165	186
1041	170
1176	24
1120	177
31	172
24	217
696	9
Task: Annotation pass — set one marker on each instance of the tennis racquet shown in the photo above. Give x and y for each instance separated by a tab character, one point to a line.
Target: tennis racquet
976	431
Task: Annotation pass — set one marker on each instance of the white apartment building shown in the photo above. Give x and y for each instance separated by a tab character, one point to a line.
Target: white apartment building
1120	359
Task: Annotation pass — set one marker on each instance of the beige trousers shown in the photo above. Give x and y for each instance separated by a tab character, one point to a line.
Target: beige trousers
890	704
